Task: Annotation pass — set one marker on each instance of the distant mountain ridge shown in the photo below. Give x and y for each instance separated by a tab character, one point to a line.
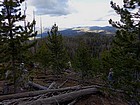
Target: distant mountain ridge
82	30
106	28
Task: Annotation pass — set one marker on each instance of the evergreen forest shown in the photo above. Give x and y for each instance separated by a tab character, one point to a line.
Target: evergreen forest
69	70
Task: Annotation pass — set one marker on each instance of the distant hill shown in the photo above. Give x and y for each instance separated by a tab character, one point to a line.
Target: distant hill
82	30
106	28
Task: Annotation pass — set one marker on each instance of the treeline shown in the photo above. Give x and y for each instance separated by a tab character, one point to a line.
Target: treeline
90	46
96	43
89	54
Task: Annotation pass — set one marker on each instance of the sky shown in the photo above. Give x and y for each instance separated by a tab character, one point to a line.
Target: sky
70	13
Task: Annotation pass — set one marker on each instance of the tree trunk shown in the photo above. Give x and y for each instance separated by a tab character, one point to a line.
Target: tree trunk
52	85
35	93
40	87
63	97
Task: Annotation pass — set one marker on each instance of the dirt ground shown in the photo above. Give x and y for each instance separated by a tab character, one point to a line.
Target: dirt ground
71	79
98	99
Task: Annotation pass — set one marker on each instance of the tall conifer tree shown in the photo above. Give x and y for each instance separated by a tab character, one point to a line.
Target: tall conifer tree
125	54
14	36
58	58
83	60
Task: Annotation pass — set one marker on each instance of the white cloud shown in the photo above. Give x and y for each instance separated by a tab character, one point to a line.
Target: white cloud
72	13
89	11
51	7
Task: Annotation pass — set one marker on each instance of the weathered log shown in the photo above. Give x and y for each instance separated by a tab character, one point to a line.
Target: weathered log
35	93
40	87
73	102
52	85
63	97
62	84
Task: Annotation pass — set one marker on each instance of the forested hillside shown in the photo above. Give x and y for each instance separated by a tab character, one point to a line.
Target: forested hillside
92	68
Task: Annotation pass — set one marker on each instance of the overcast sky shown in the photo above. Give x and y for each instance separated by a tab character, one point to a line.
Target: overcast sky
71	13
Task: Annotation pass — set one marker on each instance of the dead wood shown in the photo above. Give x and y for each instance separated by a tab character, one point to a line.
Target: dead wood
63	97
73	102
35	85
62	84
52	85
35	93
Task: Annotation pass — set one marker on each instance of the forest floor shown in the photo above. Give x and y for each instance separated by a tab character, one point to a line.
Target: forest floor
69	79
73	79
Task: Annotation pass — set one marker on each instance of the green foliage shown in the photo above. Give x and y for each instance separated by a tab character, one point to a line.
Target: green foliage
124	56
97	43
58	58
83	60
14	36
42	55
97	66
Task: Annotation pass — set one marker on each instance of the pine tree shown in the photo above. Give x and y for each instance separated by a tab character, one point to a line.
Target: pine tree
14	37
42	55
125	53
83	60
57	53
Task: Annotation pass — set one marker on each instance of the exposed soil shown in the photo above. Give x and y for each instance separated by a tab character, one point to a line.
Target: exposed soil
99	100
72	79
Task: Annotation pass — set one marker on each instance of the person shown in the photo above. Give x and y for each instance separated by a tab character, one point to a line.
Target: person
110	77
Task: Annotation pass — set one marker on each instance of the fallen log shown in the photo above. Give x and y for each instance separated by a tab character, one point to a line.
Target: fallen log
63	97
73	102
40	87
62	84
35	93
52	85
